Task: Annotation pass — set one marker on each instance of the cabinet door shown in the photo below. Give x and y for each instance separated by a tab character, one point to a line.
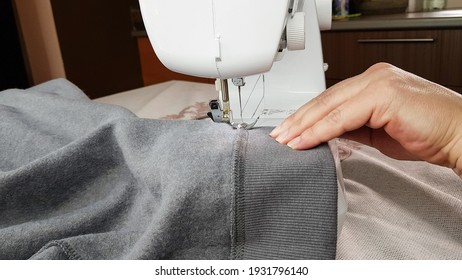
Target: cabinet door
98	52
433	54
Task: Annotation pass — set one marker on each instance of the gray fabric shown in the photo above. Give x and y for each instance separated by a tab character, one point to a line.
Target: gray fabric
287	200
83	180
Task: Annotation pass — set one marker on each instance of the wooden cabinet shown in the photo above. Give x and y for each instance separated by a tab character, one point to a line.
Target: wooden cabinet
99	54
435	54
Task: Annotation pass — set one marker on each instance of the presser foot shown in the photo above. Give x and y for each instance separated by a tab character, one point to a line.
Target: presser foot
218	115
243	125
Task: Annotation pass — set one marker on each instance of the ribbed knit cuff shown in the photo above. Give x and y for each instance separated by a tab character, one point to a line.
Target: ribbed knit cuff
285	203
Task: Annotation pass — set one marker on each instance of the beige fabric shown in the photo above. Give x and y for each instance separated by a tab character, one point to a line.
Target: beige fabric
398	209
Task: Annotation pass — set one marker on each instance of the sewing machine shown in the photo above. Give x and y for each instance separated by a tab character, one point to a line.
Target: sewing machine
266	57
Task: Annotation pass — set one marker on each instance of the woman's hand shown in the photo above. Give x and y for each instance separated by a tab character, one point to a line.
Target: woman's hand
402	115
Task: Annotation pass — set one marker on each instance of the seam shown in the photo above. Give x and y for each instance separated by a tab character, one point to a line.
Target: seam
67	249
237	212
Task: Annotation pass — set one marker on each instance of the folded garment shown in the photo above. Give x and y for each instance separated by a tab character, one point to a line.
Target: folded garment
85	180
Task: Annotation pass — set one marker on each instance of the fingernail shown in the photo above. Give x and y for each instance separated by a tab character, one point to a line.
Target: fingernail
275	131
282	136
294	143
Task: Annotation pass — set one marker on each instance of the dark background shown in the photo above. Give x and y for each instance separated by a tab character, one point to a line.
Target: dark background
13	72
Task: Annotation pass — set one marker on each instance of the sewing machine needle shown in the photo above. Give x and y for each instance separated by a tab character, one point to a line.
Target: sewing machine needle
240	102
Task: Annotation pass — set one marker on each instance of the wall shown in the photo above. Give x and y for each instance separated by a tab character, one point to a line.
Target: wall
454	4
40	40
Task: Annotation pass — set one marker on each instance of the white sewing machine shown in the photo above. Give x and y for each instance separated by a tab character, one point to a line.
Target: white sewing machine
236	42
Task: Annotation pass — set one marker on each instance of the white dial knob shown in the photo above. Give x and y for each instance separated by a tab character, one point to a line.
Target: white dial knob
296	32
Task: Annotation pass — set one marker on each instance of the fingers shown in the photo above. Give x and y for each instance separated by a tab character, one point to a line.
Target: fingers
318	108
349	116
311	112
408	117
346	106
